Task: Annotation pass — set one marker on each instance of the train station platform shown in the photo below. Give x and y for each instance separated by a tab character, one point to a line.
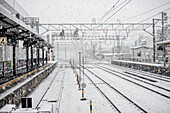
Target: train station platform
61	90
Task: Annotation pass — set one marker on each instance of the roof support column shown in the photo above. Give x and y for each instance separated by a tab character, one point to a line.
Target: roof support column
46	56
27	57
31	57
42	55
14	59
38	56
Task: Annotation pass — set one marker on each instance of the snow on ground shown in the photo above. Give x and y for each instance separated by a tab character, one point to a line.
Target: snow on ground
119	101
71	103
40	90
164	84
69	100
148	100
143	63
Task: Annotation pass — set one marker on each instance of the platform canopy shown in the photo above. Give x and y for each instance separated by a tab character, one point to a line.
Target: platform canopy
11	26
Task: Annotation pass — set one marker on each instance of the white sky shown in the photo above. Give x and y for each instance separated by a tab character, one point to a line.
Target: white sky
57	11
81	11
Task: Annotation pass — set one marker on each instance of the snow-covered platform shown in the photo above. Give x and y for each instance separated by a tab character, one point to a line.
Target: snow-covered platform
24	85
149	67
134	91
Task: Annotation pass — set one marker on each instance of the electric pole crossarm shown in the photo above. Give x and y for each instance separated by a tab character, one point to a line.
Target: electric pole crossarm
148	32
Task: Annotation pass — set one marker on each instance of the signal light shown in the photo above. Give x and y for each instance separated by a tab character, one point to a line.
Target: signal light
18	15
160	48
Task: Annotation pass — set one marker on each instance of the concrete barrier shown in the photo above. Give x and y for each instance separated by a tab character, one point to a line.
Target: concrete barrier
153	68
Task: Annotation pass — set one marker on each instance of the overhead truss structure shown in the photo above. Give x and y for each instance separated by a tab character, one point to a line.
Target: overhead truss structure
89	28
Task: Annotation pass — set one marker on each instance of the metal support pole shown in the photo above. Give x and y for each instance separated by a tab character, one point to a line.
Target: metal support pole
57	51
162	13
31	57
83	82
14	61
90	106
164	55
153	41
3	60
43	56
46	56
38	56
133	56
27	57
3	72
80	66
83	69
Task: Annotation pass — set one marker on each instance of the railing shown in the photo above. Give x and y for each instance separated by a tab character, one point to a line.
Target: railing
6	69
25	87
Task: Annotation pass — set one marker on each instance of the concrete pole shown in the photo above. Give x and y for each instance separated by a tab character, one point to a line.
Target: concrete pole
153	41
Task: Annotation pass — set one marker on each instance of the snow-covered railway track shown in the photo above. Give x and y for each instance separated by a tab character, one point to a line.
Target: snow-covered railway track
117	99
50	88
46	91
143	73
117	73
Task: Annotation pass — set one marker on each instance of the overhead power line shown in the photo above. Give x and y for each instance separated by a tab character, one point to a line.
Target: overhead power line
101	18
117	11
146	12
152	16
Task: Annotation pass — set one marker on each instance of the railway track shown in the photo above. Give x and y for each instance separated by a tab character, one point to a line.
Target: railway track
116	73
127	74
119	98
59	95
147	74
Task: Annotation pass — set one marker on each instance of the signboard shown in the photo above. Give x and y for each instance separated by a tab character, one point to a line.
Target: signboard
3	40
83	85
21	43
26	102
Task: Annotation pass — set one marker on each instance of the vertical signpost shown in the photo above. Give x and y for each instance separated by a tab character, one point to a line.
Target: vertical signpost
79	69
83	84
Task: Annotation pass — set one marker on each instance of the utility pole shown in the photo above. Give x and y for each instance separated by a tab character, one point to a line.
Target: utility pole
153	40
164	17
162	13
58	51
80	67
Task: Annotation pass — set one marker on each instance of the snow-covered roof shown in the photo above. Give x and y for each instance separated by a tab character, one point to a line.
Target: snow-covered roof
163	42
138	47
108	54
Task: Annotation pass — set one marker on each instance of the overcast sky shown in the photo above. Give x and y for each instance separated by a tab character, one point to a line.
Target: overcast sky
57	11
71	11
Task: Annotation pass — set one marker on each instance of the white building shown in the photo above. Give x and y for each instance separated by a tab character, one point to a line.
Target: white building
143	50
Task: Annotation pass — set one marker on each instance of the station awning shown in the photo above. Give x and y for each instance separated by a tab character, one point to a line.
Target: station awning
12	26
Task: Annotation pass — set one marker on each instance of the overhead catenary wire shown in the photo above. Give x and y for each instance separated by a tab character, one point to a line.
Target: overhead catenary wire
146	12
125	1
117	11
152	16
115	7
101	18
